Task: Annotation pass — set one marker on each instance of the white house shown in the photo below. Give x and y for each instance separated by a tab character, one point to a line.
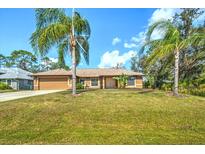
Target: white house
16	78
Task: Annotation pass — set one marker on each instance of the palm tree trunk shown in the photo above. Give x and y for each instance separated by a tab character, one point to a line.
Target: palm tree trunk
176	73
73	44
73	68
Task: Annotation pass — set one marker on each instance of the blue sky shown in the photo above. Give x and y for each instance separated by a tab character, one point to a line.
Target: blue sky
116	34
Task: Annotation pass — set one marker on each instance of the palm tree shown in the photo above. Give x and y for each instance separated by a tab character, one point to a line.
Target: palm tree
54	27
170	43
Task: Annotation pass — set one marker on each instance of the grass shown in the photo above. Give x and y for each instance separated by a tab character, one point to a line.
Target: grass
103	117
8	90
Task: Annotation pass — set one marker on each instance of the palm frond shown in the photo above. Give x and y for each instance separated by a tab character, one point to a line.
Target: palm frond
42	40
83	46
81	26
47	16
77	55
62	52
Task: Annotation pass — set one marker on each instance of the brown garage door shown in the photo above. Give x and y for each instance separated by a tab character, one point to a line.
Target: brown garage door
53	83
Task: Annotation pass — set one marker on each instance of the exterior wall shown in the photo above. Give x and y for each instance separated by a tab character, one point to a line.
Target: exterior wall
139	82
102	82
87	82
69	83
14	84
20	84
35	83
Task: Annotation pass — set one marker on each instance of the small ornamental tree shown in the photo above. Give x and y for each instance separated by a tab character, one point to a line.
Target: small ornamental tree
122	80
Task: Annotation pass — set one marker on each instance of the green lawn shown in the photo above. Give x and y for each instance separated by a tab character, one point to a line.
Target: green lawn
103	117
8	90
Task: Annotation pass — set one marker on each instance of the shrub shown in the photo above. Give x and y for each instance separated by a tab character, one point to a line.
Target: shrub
147	84
166	87
79	86
4	86
198	92
122	80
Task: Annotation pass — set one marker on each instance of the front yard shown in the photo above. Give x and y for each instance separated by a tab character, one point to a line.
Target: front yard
103	117
6	91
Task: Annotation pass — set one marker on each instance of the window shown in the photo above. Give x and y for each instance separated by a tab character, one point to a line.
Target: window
82	81
131	81
9	82
94	82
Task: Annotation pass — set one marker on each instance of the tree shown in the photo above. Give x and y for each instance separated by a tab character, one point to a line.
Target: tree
53	27
8	61
136	63
119	66
2	60
122	80
171	43
191	59
48	64
23	59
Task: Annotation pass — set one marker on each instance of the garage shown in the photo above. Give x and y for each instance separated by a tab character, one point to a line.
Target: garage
58	79
53	83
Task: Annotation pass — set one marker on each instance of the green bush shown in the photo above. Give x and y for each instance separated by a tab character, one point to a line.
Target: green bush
198	92
4	86
166	87
122	80
202	86
79	86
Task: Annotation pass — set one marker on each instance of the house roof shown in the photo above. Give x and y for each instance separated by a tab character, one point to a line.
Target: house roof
54	72
104	72
96	72
15	73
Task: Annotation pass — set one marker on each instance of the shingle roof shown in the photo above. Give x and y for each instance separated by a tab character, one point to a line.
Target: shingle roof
15	73
96	72
104	72
54	72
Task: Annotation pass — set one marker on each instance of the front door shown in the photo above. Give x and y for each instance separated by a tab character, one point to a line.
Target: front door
110	82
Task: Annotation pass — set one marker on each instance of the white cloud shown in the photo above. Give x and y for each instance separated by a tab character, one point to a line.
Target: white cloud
138	39
159	14
135	39
130	45
162	14
116	40
54	60
111	59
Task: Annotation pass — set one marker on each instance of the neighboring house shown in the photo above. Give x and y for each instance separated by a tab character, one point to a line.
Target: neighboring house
91	78
16	78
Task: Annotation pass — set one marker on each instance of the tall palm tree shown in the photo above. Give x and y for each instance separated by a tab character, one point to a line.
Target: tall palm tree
170	43
54	27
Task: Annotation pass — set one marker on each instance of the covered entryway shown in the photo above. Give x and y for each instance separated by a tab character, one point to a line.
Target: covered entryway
110	82
53	83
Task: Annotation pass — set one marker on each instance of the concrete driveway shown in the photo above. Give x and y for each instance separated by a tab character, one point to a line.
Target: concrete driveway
22	94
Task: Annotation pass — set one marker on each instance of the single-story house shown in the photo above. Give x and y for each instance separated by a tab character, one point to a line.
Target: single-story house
17	78
90	78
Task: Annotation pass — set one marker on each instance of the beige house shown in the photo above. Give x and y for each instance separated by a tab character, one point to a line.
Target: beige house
90	78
